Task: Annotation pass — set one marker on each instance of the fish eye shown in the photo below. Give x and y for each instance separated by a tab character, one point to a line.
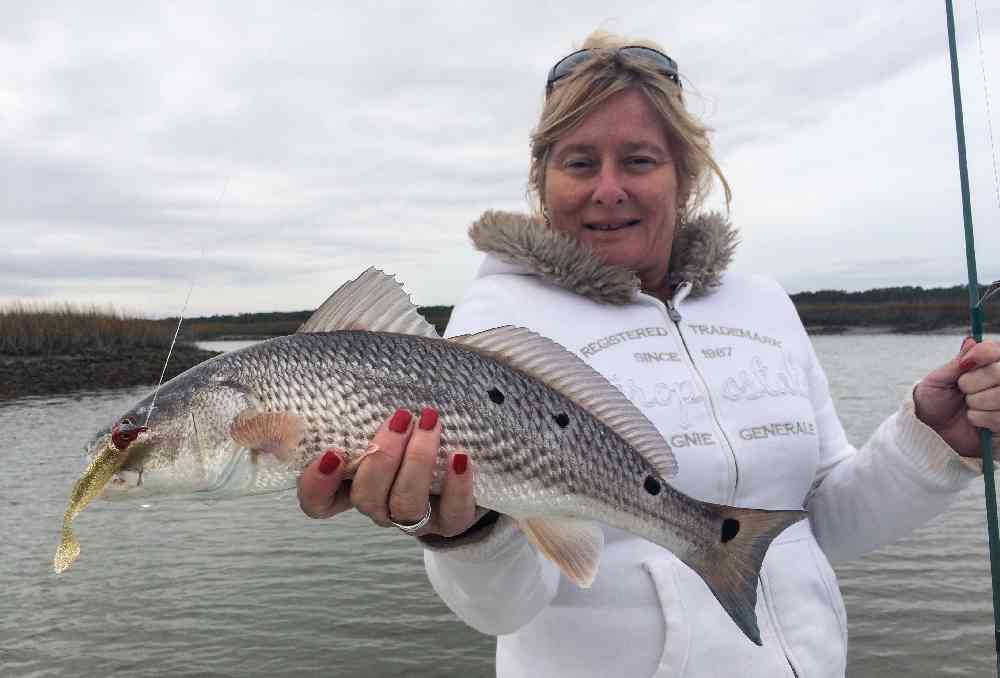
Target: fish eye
126	422
652	485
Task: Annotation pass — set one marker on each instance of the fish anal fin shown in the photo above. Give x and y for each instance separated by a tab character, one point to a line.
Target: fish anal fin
272	433
573	545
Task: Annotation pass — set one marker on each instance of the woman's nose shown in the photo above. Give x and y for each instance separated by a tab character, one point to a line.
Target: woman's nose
610	189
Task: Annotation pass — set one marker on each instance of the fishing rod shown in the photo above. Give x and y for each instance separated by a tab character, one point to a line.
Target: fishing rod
976	317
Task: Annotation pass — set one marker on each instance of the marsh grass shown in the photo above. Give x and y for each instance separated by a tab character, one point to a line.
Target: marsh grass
49	329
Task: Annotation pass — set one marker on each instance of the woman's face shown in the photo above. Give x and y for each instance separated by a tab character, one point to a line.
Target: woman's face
611	183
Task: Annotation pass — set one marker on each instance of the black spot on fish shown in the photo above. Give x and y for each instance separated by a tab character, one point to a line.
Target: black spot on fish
652	485
562	419
730	528
496	396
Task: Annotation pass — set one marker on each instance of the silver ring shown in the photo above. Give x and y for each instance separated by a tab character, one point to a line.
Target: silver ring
410	529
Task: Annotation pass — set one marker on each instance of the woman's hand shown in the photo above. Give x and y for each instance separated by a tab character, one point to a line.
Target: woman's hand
962	395
393	480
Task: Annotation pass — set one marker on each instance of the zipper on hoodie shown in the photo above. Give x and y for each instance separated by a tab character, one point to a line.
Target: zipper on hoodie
675	317
773	618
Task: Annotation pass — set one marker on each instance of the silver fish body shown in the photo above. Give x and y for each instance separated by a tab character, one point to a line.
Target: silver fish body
552	443
535	451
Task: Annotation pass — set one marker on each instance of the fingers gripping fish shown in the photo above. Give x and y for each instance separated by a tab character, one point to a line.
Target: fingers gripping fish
554	444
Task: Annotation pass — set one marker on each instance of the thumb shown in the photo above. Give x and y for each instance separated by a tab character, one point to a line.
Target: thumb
947	375
318	485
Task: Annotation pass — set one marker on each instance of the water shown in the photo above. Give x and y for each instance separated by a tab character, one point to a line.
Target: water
253	588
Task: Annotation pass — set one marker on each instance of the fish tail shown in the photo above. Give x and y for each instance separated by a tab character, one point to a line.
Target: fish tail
67	551
731	567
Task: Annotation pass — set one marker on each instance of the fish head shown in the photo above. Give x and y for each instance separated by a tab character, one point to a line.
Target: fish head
187	446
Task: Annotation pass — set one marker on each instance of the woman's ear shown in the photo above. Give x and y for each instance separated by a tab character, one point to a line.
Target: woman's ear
683	193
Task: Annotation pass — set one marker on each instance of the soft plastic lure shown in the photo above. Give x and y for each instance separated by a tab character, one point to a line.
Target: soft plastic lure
104	465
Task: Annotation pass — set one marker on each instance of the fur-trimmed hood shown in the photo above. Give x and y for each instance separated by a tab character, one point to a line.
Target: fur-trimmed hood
702	250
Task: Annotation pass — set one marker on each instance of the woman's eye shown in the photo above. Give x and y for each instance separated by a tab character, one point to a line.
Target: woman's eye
641	162
578	164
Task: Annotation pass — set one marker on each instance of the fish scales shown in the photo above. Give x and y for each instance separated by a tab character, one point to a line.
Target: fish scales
519	439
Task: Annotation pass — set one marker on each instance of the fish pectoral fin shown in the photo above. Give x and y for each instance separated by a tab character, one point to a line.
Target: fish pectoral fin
573	545
273	433
375	302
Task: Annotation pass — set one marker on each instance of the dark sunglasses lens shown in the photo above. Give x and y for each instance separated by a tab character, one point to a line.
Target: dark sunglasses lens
667	65
566	65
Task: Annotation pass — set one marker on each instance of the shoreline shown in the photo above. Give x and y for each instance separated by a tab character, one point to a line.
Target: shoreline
858	330
812	330
38	375
22	376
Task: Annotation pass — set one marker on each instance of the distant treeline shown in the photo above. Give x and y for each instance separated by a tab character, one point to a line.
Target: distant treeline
901	309
27	330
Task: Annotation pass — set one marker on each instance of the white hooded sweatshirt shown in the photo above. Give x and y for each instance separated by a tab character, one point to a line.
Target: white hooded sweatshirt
728	375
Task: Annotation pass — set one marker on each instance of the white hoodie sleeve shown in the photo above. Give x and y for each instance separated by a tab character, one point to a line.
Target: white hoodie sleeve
496	586
865	498
501	583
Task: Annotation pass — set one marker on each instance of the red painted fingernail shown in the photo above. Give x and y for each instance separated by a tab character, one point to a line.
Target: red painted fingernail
428	418
967	345
967	364
460	462
329	463
400	421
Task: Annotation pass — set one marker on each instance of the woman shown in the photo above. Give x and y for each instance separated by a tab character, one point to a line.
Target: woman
719	362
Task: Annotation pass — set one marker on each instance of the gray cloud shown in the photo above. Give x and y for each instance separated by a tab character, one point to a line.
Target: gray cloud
272	152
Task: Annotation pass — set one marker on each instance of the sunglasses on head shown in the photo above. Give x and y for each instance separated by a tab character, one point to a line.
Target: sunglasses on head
565	66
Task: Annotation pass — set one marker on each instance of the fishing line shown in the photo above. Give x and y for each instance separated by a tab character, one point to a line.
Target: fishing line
976	317
180	318
993	290
986	95
995	287
170	351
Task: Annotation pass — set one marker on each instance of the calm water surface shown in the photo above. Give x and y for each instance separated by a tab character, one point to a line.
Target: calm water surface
253	588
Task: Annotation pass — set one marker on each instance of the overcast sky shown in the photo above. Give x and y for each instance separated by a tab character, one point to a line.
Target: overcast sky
269	154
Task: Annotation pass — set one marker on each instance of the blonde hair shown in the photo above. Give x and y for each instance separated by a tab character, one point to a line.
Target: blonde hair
598	79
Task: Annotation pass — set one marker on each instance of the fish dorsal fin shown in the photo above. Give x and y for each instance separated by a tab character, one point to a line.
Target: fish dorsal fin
564	372
373	301
573	545
273	433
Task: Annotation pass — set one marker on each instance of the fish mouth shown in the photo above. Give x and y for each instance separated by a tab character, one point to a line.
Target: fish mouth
611	225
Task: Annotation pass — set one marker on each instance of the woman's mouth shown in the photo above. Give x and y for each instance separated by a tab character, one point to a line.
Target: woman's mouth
612	226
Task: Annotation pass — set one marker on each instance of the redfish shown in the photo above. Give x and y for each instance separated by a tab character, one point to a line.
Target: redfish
554	445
